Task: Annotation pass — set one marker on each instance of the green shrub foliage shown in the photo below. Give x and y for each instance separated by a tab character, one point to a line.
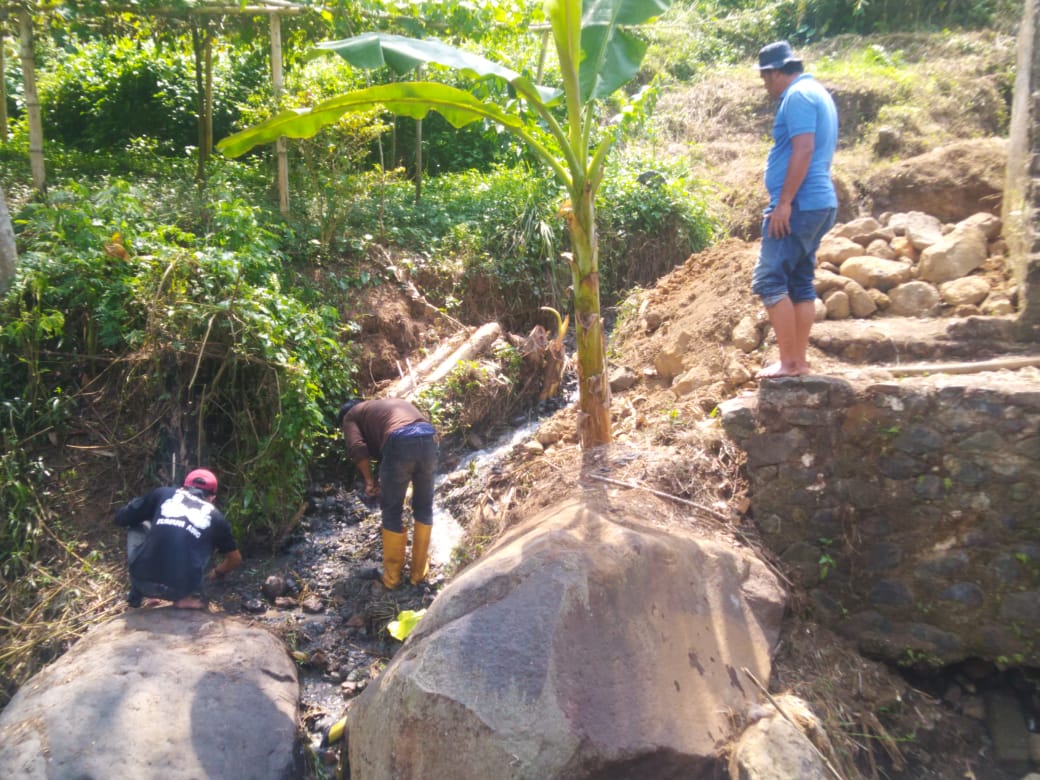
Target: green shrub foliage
103	94
192	331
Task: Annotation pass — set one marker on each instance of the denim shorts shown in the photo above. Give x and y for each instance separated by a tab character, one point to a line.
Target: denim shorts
786	266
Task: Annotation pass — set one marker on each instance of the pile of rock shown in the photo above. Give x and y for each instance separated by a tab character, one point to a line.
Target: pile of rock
912	265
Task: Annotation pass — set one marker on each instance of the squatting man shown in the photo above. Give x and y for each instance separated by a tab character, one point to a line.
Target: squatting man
171	534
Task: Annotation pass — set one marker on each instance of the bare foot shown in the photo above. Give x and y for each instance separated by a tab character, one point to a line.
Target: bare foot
778	369
189	602
151	603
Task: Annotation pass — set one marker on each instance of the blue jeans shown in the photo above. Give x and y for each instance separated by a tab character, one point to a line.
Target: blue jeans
407	459
786	266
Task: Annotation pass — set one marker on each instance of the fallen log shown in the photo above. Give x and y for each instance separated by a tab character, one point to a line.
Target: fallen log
406	386
478	343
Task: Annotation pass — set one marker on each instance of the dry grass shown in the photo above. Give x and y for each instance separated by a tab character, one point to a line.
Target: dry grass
48	608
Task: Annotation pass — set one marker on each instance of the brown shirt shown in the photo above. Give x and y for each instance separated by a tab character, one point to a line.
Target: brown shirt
368	425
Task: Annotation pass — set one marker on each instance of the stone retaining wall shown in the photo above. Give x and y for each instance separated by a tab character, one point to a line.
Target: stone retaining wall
1022	193
909	508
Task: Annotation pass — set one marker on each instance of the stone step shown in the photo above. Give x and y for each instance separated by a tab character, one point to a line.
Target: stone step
898	340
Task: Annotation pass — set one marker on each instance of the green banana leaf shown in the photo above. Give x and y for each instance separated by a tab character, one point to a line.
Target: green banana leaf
609	55
414	99
401	54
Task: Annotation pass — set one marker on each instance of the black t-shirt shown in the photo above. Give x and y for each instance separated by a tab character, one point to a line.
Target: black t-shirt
185	530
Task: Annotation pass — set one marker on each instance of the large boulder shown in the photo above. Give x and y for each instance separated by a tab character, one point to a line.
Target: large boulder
579	647
157	693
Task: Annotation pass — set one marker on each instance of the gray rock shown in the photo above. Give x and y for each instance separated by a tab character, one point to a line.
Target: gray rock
954	256
522	668
622	378
922	229
773	749
880	248
876	272
837	303
915	299
746	335
158	693
988	223
969	290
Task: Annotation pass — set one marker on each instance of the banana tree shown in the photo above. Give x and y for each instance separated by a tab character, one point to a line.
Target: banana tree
598	54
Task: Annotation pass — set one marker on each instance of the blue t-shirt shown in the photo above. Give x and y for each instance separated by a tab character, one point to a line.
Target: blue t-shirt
805	107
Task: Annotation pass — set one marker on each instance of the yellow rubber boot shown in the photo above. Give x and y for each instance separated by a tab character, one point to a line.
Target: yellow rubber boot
420	552
393	557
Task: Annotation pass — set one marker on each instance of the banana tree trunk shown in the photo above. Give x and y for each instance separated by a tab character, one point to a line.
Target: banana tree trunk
593	382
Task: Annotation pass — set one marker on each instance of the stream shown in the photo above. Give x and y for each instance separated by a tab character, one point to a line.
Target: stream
321	594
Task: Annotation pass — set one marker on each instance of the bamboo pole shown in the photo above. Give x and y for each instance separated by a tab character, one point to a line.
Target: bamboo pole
3	82
32	102
281	150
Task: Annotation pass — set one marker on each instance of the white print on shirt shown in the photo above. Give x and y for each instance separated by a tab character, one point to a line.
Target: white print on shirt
180	524
185	511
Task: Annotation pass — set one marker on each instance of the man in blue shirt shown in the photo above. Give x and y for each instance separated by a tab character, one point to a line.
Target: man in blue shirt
802	203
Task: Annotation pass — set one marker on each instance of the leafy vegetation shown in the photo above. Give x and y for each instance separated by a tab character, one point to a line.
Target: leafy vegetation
156	322
193	330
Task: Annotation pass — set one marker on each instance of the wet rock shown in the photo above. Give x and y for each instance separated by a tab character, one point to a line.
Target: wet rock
1007	727
273	587
254	605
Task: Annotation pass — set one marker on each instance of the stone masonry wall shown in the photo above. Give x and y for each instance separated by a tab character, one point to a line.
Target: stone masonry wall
909	508
1021	209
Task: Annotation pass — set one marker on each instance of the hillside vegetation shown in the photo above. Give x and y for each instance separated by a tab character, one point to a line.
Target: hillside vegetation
160	319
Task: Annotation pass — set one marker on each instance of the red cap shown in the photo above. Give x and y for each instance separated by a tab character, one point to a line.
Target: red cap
203	479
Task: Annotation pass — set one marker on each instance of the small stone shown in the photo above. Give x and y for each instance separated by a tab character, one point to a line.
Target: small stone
273	587
312	605
254	605
285	602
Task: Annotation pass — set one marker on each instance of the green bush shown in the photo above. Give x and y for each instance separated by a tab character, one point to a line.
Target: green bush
650	218
103	94
484	245
194	324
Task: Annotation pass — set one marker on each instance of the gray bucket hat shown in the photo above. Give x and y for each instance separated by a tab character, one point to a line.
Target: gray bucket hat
774	56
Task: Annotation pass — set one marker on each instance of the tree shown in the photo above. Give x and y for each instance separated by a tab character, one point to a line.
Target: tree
8	250
598	55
